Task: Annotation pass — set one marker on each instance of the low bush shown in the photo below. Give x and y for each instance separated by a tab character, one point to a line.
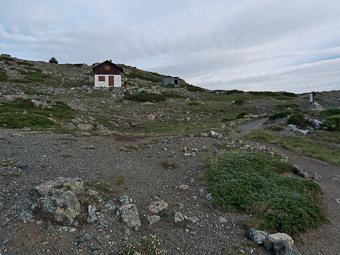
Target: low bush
279	115
241	115
3	76
251	182
193	88
288	94
282	107
171	94
299	120
146	97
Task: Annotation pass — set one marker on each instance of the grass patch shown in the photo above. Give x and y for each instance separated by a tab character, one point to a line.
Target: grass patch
66	155
171	94
21	113
121	179
305	146
241	115
10	175
282	107
33	76
251	182
148	76
279	115
299	120
3	76
8	163
193	88
146	97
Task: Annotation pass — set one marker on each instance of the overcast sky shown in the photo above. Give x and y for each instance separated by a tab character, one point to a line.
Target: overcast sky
291	45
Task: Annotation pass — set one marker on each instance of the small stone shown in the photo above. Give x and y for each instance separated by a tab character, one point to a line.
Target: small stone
101	128
222	220
193	219
85	127
125	199
178	217
153	219
337	200
92	216
257	236
91	192
183	187
209	197
316	177
157	206
70	126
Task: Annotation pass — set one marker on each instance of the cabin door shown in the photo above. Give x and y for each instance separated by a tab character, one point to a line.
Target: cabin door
111	81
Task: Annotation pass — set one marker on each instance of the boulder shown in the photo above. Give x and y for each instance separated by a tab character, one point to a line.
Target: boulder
268	243
300	172
129	215
101	128
282	247
60	205
92	216
74	184
257	236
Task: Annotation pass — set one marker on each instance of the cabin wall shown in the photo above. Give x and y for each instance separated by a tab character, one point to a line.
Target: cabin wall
101	84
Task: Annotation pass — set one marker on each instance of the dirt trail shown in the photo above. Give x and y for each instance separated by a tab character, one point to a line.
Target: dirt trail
249	127
325	240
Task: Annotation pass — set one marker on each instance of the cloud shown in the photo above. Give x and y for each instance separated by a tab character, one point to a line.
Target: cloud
253	44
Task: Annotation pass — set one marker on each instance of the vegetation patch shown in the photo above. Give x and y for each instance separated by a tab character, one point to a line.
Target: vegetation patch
171	94
279	115
148	76
193	88
21	113
3	76
299	120
251	182
121	179
146	97
241	115
282	107
10	175
305	146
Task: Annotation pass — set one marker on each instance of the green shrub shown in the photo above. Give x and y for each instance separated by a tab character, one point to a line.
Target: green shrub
12	114
193	88
289	94
251	182
279	115
234	91
3	76
146	97
330	112
333	122
171	94
264	93
241	115
239	101
148	76
282	107
53	60
299	120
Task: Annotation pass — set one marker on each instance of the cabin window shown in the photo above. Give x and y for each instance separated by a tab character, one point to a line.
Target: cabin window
101	78
107	67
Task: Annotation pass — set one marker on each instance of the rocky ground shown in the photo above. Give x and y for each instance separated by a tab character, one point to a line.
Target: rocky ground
146	170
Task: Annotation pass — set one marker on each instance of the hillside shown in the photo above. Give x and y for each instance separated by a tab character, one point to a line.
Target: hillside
145	166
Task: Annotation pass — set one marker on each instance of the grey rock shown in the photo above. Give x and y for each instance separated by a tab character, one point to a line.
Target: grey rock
60	205
293	252
268	243
300	172
337	200
316	107
316	177
70	126
193	219
183	187
281	247
129	215
74	184
178	217
257	236
101	128
92	216
125	199
85	127
157	206
153	219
